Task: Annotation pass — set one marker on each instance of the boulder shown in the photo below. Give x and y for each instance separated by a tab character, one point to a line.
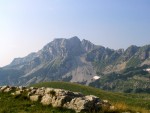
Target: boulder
59	98
61	101
48	90
40	91
19	92
7	90
31	88
35	98
46	99
33	91
3	88
21	88
88	103
92	98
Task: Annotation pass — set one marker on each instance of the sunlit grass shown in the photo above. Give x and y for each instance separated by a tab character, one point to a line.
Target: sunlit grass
121	101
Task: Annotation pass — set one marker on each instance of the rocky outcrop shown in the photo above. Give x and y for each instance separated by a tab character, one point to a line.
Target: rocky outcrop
58	98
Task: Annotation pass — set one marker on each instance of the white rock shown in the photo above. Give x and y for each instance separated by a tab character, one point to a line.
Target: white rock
7	90
35	98
3	88
18	92
46	99
48	90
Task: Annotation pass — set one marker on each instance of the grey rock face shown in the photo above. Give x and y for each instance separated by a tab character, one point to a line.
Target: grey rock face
71	60
88	46
54	62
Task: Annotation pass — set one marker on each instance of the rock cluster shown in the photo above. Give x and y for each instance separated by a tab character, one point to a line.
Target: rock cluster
58	98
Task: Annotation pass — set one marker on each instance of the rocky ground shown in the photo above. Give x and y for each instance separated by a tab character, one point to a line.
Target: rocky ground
60	98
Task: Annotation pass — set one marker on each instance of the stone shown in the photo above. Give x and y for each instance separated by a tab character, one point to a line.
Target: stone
48	90
35	98
60	98
33	91
7	90
80	104
46	99
31	88
18	92
3	88
59	92
91	98
22	88
40	92
27	90
78	94
87	103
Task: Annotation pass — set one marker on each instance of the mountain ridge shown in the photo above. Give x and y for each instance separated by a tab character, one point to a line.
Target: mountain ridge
72	60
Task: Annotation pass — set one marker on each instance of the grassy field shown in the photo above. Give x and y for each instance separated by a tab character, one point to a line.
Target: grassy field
137	102
121	101
20	104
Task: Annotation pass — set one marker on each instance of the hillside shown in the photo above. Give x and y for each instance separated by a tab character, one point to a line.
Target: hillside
75	60
133	101
20	104
130	80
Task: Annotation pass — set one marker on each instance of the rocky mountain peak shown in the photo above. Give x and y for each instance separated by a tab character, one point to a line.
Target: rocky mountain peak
130	51
88	46
120	51
75	38
144	52
73	60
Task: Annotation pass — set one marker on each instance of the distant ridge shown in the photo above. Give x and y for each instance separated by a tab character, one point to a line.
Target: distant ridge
73	60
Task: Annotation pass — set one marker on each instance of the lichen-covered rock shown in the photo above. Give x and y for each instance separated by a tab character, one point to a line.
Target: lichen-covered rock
48	90
40	92
35	98
3	88
61	101
46	99
18	92
21	88
83	104
7	90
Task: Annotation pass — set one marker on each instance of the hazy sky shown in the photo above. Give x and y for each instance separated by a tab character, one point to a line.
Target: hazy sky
27	25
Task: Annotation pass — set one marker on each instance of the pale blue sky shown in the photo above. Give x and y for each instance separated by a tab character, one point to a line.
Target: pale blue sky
27	25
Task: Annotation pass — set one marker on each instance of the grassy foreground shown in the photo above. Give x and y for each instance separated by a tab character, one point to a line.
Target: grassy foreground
121	101
136	102
20	104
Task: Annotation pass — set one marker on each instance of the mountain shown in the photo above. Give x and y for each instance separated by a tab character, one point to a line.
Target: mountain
74	60
61	59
